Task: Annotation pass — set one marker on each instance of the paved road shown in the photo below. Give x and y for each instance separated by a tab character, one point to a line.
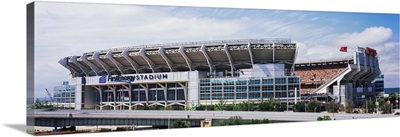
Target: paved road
167	114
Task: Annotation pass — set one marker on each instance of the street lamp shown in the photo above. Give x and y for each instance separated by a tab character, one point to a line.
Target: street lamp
305	106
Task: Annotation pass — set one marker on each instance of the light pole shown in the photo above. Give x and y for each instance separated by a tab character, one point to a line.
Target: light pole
305	107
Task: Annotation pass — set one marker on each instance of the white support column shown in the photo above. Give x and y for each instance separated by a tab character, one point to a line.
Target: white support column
273	57
229	57
184	92
165	93
96	57
142	53
94	68
101	95
110	56
188	61
209	61
250	53
114	89
146	91
83	68
64	62
167	60
134	65
129	89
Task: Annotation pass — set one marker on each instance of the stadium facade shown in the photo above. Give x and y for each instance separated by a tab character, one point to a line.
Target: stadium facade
204	72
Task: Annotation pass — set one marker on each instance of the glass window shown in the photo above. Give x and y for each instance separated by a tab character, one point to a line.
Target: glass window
216	82
171	94
254	81
204	89
229	89
241	89
204	96
160	95
152	95
254	95
180	94
216	89
216	96
142	95
241	95
204	82
254	88
267	94
280	87
280	80
294	80
135	96
229	82
229	95
241	82
268	81
267	88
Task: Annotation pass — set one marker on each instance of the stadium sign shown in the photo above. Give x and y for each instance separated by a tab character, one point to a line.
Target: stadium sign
132	78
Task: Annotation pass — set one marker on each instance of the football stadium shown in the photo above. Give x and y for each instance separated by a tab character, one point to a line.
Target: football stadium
188	74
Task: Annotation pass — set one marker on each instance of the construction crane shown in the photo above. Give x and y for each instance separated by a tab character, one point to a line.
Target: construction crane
48	94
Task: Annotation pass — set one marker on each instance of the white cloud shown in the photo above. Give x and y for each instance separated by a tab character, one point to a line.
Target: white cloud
369	37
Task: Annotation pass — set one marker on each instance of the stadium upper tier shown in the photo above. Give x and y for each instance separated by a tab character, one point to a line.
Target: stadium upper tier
219	55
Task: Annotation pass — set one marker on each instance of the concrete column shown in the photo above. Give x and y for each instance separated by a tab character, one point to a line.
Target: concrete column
184	92
98	88
114	89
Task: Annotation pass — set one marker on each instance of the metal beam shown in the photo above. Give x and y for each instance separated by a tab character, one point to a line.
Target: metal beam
94	68
64	62
167	60
250	53
142	53
83	68
110	56
134	65
209	61
188	61
229	57
107	68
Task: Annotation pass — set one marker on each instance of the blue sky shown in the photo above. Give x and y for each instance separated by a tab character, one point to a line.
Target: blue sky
65	29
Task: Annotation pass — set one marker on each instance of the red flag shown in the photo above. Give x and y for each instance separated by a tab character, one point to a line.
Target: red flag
343	49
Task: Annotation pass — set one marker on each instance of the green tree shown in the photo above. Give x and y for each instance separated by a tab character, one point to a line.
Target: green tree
332	107
142	107
200	107
323	118
221	105
233	120
41	105
299	107
368	107
245	106
386	108
313	106
156	107
349	106
229	107
180	124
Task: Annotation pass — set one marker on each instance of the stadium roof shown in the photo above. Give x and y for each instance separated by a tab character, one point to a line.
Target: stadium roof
217	55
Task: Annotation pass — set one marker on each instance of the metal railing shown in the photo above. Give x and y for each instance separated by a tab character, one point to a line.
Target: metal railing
323	60
198	43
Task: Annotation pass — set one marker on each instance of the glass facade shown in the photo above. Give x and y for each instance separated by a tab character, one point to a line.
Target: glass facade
174	93
64	95
248	88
